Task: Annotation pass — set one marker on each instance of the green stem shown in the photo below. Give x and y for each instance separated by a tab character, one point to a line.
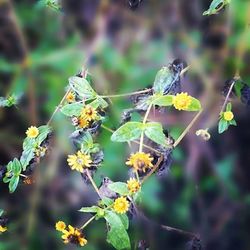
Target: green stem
87	222
126	94
93	183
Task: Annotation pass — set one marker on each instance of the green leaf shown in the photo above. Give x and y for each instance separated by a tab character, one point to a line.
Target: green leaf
195	105
26	157
72	109
124	220
215	4
43	133
82	87
119	187
154	131
92	209
107	201
164	78
13	184
117	236
233	122
29	144
99	103
1	212
16	167
162	100
127	132
222	126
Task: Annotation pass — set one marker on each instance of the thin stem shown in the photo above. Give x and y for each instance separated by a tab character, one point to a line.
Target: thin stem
153	169
144	122
126	94
23	175
228	94
187	128
180	231
93	183
87	222
58	107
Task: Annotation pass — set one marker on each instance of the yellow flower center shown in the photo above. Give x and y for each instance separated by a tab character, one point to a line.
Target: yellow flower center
32	132
182	101
228	116
133	185
79	161
140	161
121	205
60	226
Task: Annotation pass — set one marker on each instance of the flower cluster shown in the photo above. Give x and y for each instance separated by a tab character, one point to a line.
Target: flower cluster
71	234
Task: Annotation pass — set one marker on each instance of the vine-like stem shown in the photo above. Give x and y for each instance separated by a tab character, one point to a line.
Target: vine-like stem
93	183
144	122
87	222
58	107
126	94
187	128
153	169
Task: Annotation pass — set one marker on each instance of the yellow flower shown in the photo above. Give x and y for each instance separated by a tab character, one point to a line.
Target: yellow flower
121	205
89	113
60	226
70	97
74	235
3	229
182	101
32	132
83	122
133	185
79	161
203	133
228	116
140	161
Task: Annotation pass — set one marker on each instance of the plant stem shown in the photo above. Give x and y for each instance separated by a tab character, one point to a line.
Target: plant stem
126	94
58	107
87	222
187	128
23	175
93	183
153	169
144	122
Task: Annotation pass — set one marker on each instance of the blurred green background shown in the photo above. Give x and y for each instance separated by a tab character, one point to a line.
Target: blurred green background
207	188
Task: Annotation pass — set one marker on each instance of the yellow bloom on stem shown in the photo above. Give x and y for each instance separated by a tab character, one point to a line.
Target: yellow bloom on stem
70	97
182	101
133	185
60	226
140	161
73	235
3	229
121	205
32	132
83	122
79	161
89	113
228	116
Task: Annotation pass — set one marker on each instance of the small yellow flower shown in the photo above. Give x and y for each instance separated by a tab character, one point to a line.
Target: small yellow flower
133	185
32	132
83	123
70	97
60	226
74	235
79	161
140	161
121	205
89	113
203	133
3	229
228	116
182	101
